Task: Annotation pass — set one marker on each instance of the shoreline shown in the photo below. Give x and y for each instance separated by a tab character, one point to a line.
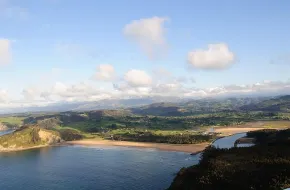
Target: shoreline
5	150
187	148
193	149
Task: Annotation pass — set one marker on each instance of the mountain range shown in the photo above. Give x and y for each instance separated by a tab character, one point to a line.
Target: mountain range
173	106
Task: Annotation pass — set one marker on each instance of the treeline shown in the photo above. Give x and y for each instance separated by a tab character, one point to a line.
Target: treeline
265	166
158	138
95	122
270	137
70	134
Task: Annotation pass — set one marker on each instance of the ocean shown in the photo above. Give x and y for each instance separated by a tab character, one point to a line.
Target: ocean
86	168
95	168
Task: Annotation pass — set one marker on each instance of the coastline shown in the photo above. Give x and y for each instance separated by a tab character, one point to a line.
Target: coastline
193	149
5	150
187	148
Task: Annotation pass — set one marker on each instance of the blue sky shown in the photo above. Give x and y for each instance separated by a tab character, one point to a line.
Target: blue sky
66	42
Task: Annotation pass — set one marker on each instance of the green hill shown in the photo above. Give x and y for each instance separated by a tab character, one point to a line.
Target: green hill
263	166
28	137
193	107
278	104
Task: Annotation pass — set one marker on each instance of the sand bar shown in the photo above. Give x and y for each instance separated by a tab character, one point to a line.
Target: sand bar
190	148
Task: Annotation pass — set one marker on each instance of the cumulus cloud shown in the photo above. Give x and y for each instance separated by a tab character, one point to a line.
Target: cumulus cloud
85	92
137	78
5	52
105	72
30	93
76	92
149	34
3	96
170	89
215	57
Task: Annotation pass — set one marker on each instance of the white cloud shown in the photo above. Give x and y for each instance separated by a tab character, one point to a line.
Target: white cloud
217	56
137	78
168	89
59	88
5	52
3	96
76	92
105	72
149	34
30	93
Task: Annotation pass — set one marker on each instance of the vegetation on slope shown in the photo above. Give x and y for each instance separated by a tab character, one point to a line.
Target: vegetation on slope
12	122
70	134
28	136
278	104
263	166
196	115
172	137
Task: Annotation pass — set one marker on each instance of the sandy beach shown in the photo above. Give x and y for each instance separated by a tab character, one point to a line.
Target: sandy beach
252	126
190	148
231	130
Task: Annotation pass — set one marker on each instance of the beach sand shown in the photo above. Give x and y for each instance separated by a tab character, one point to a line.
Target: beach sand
189	148
233	130
252	126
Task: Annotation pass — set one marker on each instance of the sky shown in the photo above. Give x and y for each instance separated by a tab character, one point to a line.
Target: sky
72	50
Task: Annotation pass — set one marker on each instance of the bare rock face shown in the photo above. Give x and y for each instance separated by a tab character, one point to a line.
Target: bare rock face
3	127
48	137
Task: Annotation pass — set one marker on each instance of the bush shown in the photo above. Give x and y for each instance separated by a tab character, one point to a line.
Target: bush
70	134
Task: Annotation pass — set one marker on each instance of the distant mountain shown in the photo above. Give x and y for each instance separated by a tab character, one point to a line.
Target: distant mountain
88	106
171	106
208	105
281	103
113	104
161	109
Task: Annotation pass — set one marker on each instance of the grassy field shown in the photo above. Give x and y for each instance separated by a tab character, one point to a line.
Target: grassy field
12	120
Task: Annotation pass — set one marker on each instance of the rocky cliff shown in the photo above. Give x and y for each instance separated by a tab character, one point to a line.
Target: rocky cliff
3	127
29	137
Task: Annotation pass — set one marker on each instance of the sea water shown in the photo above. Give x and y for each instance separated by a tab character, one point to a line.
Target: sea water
91	168
95	168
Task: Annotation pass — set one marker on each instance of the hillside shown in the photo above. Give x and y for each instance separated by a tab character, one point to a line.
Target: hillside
161	109
28	137
263	166
277	104
3	127
193	107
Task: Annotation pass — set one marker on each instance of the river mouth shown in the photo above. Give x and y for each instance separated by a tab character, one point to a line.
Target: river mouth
229	141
